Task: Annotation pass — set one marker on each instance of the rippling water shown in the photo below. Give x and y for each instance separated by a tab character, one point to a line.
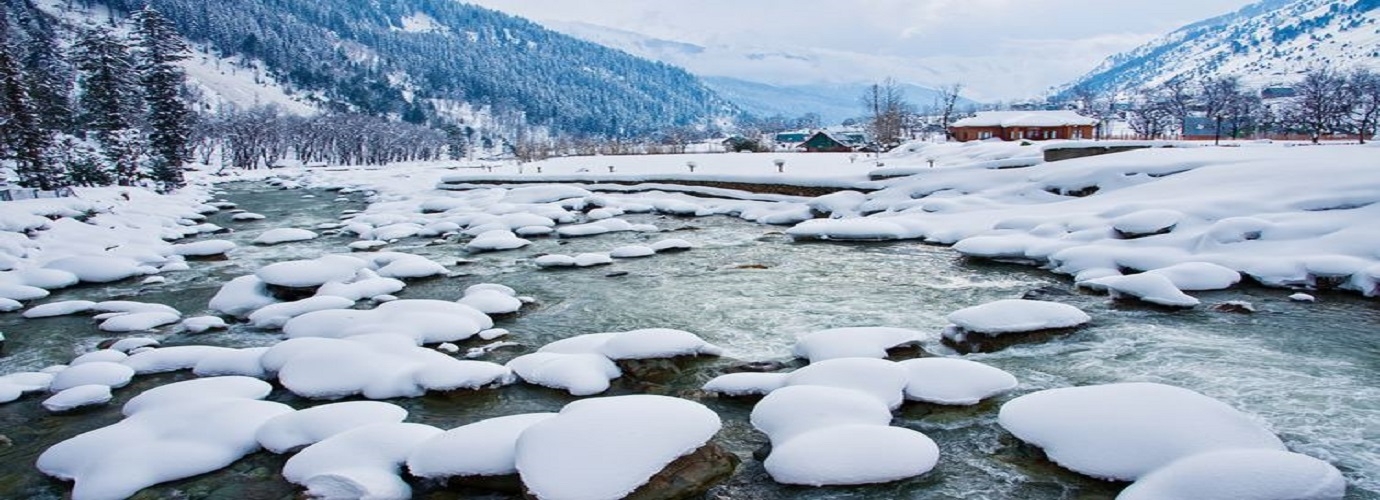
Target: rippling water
1311	372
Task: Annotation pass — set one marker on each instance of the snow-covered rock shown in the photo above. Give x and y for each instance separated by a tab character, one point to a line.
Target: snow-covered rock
284	235
376	366
1017	315
61	308
275	315
484	448
953	381
290	432
852	454
1195	276
853	342
106	373
100	268
78	397
365	462
496	240
310	273
1125	431
204	248
631	438
1242	474
135	322
426	321
746	383
795	410
1152	288
578	374
631	252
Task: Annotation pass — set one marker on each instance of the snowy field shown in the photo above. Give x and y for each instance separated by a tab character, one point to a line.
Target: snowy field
1155	225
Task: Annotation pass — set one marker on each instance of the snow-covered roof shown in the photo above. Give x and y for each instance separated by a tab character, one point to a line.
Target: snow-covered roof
1025	119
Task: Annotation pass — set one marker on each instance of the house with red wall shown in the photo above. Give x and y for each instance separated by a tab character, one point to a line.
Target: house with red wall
1023	125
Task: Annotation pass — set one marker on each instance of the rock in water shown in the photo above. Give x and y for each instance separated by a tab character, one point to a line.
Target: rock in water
689	476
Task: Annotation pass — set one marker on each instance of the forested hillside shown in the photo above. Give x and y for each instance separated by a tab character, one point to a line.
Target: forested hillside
400	56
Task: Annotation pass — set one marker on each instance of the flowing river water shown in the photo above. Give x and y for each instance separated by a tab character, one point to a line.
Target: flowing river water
1310	372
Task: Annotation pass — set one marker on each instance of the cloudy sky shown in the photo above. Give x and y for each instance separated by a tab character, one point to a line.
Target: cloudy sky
998	49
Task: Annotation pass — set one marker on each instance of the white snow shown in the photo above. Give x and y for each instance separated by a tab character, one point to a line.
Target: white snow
426	321
109	374
290	432
882	379
1125	431
21	293
310	273
376	366
953	381
61	308
204	248
852	454
746	383
631	252
854	342
364	462
1195	276
159	443
1147	222
167	359
275	315
490	300
495	240
200	324
284	235
620	443
1152	288
578	374
484	448
792	411
1241	474
1017	315
78	397
241	296
134	322
100	268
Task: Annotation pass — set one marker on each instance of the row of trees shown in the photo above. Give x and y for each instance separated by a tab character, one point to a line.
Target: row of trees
1324	102
128	122
265	136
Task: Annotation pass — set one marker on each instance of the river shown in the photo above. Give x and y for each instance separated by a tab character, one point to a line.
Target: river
1310	372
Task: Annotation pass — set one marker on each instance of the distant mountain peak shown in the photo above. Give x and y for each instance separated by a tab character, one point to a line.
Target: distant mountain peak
1268	42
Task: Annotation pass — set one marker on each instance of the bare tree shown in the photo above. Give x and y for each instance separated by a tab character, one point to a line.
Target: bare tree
1152	115
1089	102
1220	99
1364	85
948	101
887	111
1321	103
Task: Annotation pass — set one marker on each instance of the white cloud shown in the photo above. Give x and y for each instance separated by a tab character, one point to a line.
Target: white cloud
1001	49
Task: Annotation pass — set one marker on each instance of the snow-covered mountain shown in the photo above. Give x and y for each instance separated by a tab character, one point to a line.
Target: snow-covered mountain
1269	42
773	81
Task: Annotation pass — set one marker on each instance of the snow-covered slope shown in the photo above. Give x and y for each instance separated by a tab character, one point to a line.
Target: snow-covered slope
1265	43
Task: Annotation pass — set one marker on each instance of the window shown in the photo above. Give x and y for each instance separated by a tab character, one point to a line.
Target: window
986	134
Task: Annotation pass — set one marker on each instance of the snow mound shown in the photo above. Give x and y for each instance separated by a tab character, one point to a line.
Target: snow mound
408	266
16	385
671	245
578	374
952	381
201	324
61	308
241	296
1016	316
1147	222
630	438
544	194
1240	474
275	316
855	229
858	342
378	366
426	321
484	448
879	378
21	293
195	390
205	248
106	373
290	432
492	300
168	359
496	240
631	252
792	411
1125	431
852	454
160	443
100	268
365	462
284	235
310	273
247	362
1152	288
746	383
135	322
78	397
1193	276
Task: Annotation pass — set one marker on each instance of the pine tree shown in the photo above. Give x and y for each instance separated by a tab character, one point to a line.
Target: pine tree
50	78
109	95
24	139
169	118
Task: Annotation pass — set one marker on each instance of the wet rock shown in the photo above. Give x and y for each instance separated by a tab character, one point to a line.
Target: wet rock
5	441
1234	306
1046	293
291	293
510	483
659	371
757	367
616	274
966	342
689	476
908	350
750	266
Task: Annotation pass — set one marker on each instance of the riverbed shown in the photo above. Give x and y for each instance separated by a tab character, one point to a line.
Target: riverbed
1308	371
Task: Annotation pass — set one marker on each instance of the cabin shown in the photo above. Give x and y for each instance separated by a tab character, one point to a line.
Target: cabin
1023	125
825	141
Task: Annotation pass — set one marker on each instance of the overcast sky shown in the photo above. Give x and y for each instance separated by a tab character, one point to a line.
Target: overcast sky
1000	49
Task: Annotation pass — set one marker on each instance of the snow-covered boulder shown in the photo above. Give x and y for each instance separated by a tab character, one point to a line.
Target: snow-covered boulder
631	438
631	252
160	443
21	293
484	448
1194	276
953	381
1146	222
852	454
1017	316
61	308
247	362
78	397
203	249
1152	288
882	379
795	410
1243	474
365	462
274	316
671	245
578	374
496	240
100	268
284	235
1125	431
426	321
492	300
168	359
853	342
310	273
202	324
241	296
136	322
855	229
746	383
290	432
106	373
376	366
16	385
